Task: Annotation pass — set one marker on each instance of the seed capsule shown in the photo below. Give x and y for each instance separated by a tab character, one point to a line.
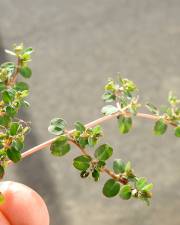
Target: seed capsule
84	174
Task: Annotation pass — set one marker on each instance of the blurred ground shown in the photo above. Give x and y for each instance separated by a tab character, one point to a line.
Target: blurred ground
78	45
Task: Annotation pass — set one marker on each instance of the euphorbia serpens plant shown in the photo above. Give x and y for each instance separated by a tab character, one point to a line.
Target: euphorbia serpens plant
122	104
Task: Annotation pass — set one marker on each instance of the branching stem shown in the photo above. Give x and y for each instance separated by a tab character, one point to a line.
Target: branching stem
89	125
119	178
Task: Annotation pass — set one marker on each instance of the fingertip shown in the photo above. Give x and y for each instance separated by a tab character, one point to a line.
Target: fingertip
23	205
3	220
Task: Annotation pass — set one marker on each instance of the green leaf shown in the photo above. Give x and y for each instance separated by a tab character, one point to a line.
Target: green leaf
57	126
92	141
141	183
83	141
82	162
125	192
13	154
110	86
103	152
14	128
119	166
128	170
95	175
147	187
177	131
2	86
4	120
124	124
22	94
111	188
160	127
25	72
25	58
152	108
128	85
11	111
18	144
8	95
97	130
28	50
128	166
95	133
1	172
108	96
80	127
60	146
21	86
109	109
9	68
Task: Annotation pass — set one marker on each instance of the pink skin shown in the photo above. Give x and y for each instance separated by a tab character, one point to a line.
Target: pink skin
22	206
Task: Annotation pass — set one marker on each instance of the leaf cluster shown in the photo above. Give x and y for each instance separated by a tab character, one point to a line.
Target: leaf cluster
123	182
167	115
13	97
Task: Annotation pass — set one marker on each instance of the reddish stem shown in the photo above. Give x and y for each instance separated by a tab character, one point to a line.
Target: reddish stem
88	125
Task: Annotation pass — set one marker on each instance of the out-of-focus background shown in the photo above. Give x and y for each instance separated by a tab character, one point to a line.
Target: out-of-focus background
78	45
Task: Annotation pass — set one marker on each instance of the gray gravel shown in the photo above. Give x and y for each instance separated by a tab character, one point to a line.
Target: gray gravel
78	45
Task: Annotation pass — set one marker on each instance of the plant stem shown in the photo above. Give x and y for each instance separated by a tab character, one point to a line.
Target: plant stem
14	77
84	152
89	125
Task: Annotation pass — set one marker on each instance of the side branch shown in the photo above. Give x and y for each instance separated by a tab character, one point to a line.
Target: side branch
119	178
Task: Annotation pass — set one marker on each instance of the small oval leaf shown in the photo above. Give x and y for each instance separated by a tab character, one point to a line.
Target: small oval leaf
57	126
14	154
103	152
125	192
25	72
109	109
124	124
119	166
141	183
111	188
82	162
60	146
80	127
160	127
